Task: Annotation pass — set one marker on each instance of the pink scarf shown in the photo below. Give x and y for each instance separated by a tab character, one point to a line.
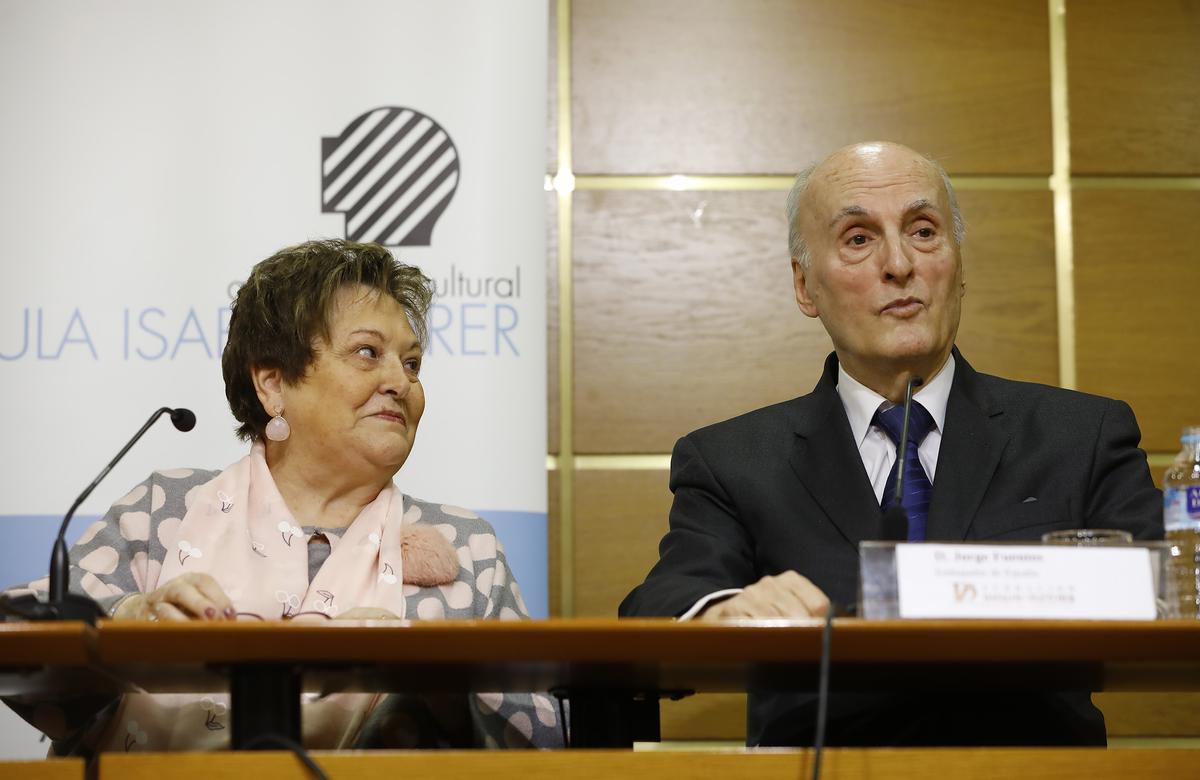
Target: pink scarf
238	529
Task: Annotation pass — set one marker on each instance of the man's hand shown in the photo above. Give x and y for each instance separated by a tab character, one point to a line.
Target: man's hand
194	596
786	595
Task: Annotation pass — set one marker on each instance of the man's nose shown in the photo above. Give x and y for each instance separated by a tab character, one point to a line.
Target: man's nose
897	263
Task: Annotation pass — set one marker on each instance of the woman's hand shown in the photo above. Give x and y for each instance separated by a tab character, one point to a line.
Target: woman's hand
188	597
367	613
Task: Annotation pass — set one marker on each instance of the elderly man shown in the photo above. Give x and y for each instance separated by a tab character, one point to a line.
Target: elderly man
770	507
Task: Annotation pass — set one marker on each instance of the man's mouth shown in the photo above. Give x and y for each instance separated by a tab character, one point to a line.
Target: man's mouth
903	307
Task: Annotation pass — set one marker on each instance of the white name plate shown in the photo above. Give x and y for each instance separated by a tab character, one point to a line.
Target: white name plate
1009	581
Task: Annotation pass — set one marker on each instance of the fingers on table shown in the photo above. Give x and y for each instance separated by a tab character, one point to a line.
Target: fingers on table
190	598
786	595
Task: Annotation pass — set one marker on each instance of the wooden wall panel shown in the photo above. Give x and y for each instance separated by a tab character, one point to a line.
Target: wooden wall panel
1137	269
620	516
1150	714
1134	86
552	88
705	716
718	86
681	322
684	315
1009	321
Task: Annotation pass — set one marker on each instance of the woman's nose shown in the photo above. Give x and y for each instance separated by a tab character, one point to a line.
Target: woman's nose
395	379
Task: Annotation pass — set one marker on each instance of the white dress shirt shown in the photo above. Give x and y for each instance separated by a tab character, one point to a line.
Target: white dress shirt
877	450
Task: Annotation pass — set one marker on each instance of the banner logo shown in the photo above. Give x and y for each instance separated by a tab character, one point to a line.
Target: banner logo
391	172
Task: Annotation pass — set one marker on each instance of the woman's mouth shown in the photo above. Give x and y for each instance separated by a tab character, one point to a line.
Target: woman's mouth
395	417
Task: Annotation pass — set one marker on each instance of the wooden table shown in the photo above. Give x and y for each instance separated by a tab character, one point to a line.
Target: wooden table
838	764
605	665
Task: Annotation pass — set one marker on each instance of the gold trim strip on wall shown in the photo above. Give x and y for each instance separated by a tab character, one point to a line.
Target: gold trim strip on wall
1135	182
1001	182
662	462
684	183
643	462
1060	185
655	462
1159	461
563	83
564	184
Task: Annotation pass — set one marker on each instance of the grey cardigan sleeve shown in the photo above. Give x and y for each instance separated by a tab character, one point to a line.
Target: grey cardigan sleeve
513	720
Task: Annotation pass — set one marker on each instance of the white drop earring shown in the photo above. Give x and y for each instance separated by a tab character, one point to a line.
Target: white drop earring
278	428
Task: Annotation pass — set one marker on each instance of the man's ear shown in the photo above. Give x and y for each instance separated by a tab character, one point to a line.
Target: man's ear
804	298
268	384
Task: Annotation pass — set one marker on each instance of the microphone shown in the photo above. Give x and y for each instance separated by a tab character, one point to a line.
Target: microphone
895	519
62	604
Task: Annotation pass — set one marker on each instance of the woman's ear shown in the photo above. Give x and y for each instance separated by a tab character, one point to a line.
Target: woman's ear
268	384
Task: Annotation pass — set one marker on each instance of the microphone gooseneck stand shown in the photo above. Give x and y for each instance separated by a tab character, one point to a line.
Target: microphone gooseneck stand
894	529
62	604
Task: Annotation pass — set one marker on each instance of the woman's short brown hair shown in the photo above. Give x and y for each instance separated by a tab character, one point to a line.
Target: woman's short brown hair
285	305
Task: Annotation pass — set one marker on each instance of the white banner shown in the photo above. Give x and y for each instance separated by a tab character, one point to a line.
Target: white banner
154	151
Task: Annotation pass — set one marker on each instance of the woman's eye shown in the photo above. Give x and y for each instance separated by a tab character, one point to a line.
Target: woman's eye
412	365
367	352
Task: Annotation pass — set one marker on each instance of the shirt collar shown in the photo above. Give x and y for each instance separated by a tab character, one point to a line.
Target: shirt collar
861	402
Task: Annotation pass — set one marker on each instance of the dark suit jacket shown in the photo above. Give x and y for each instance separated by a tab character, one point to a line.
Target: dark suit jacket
784	488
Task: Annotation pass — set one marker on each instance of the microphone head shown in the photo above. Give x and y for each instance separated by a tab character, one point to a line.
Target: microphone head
183	419
917	381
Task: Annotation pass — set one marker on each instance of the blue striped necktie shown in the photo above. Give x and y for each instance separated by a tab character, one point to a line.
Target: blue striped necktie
917	487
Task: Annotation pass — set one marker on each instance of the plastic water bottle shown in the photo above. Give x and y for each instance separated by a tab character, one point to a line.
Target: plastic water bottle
1181	516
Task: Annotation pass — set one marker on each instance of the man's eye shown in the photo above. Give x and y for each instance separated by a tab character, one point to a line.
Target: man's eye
412	365
367	352
858	239
925	232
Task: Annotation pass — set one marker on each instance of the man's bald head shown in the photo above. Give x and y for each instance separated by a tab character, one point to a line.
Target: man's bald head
878	260
860	153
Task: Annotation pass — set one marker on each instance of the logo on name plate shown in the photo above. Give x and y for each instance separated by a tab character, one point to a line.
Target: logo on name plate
391	172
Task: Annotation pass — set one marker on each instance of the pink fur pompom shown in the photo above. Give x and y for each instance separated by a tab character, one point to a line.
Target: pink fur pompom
428	558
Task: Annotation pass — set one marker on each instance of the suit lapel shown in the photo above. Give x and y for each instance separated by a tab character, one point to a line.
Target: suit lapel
972	444
828	464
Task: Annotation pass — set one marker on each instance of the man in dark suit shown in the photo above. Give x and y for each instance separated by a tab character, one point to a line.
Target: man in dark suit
770	507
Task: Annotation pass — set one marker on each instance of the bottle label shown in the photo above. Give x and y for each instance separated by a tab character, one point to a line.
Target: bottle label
1181	508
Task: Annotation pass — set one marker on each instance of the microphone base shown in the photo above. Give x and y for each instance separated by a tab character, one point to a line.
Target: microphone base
74	606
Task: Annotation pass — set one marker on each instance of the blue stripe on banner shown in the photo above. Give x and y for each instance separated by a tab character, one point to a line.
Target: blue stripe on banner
523	535
25	553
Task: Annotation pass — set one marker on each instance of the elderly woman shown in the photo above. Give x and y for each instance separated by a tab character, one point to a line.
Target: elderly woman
322	371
